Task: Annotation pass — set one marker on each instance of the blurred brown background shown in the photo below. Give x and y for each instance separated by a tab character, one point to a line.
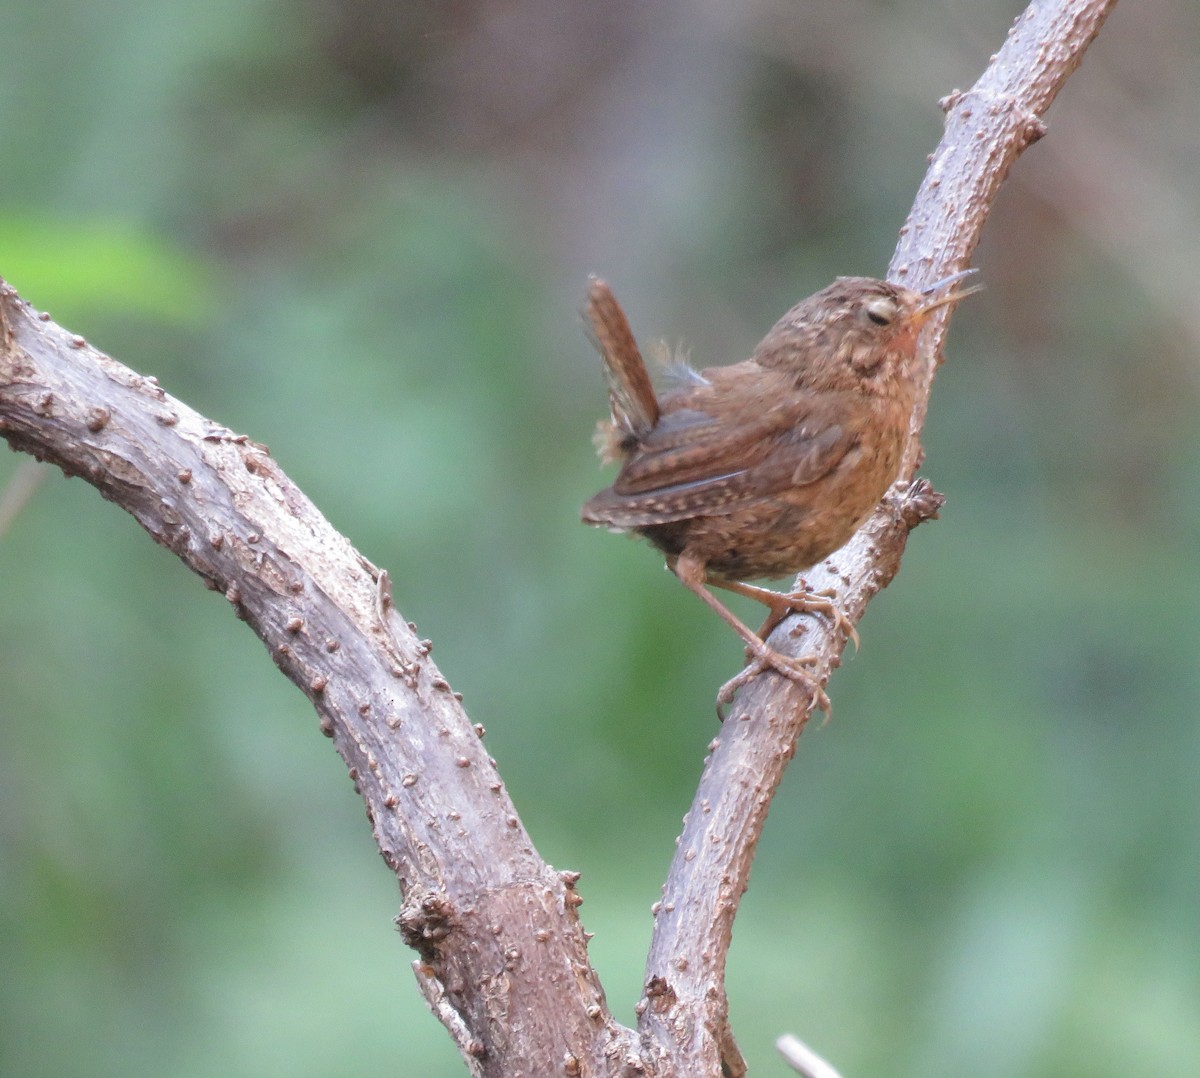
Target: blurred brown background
360	233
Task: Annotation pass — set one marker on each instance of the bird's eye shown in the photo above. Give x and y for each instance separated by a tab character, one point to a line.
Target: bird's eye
881	310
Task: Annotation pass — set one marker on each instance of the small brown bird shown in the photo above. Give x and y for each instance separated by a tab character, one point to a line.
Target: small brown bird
765	467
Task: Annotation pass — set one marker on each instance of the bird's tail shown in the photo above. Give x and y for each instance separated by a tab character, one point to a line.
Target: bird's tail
630	393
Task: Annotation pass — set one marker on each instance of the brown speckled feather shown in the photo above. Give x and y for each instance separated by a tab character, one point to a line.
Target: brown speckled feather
765	467
631	396
681	468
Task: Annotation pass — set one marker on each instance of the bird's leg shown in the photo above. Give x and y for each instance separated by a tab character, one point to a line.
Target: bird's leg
692	575
781	604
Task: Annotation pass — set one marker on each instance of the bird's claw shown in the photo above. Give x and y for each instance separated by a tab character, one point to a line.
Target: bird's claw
821	602
794	668
808	602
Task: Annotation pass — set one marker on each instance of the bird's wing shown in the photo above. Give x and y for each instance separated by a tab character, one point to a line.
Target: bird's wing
682	468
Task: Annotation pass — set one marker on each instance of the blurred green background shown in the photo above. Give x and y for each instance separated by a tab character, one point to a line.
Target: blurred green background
360	232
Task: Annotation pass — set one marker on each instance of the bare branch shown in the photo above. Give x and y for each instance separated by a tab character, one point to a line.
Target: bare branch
803	1059
503	957
20	490
987	128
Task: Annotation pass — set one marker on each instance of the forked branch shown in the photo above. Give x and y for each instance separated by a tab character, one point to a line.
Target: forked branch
502	955
987	128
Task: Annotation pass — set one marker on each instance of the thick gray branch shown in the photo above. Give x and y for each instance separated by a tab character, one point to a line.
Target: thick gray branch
987	128
503	957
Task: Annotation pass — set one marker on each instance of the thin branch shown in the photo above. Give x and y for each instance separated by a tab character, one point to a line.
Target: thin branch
21	488
685	1009
802	1059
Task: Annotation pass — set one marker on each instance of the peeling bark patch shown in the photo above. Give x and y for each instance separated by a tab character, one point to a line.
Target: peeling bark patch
660	994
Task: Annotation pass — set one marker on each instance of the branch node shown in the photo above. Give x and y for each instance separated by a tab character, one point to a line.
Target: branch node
424	921
1031	125
918	502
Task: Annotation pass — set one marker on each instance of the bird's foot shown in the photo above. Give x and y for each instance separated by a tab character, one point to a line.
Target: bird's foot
803	602
794	668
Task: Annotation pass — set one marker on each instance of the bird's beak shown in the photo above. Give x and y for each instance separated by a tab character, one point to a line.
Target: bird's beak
950	297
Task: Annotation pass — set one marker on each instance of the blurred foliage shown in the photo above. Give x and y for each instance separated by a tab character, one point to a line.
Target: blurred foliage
359	231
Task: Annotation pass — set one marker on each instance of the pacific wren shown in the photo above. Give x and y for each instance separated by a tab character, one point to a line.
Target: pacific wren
764	467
